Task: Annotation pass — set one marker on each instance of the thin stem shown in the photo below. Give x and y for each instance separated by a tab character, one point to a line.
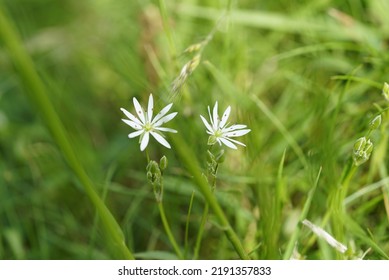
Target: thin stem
201	231
166	27
338	211
147	155
187	224
169	232
292	242
336	208
37	93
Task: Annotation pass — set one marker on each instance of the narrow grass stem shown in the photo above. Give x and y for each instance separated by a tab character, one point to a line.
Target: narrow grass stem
168	231
338	212
187	225
37	93
292	242
336	208
166	27
201	231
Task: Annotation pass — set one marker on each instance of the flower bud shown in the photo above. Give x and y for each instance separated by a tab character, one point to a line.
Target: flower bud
375	123
369	147
362	150
153	172
150	176
152	167
163	163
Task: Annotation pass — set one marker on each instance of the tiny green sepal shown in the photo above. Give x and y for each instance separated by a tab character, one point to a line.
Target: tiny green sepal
375	123
163	162
212	140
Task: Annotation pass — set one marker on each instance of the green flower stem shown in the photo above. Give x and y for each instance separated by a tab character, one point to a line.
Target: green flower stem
212	183
37	93
157	173
189	159
168	231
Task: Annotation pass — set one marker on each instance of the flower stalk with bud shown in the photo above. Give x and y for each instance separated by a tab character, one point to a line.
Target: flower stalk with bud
362	150
219	132
145	125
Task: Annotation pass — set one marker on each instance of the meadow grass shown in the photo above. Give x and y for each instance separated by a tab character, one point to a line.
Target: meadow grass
305	76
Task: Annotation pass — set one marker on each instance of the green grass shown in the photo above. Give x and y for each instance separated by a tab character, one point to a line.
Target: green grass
306	77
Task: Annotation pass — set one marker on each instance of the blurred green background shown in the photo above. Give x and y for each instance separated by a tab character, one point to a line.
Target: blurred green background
305	76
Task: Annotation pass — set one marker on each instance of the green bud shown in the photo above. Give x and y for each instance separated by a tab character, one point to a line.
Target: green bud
163	163
153	172
375	123
153	167
362	150
385	91
359	144
150	176
369	147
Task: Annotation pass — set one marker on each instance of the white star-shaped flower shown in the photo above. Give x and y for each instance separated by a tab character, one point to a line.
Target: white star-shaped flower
146	125
219	130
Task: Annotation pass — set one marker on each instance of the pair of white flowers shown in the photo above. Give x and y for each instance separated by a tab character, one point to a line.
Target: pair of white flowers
145	125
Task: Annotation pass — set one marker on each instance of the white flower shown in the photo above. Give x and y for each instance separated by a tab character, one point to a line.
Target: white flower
146	125
219	130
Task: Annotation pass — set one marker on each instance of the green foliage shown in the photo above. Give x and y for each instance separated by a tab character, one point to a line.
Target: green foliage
306	77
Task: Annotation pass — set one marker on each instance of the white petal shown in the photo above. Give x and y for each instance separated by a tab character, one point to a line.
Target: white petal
207	125
234	127
160	139
139	110
235	141
150	108
236	133
166	129
135	134
215	118
225	117
165	119
145	141
130	116
132	124
210	118
228	143
162	113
